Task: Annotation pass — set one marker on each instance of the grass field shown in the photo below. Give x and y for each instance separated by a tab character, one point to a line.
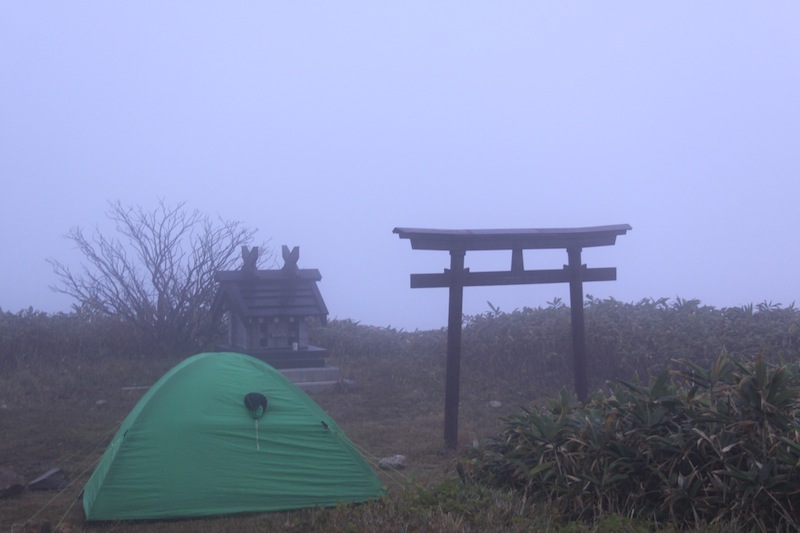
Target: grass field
60	408
62	414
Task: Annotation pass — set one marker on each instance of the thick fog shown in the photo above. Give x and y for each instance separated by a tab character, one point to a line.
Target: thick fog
325	125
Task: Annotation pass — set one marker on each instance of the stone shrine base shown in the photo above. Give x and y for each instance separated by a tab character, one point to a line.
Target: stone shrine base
285	358
318	379
305	367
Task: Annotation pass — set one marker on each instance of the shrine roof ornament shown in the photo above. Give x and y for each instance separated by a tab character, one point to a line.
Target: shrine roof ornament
253	293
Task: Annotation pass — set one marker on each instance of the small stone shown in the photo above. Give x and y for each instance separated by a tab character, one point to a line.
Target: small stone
39	526
11	483
54	479
398	462
494	404
100	403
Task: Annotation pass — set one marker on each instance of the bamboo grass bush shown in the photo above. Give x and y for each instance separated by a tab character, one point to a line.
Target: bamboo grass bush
624	339
696	446
30	335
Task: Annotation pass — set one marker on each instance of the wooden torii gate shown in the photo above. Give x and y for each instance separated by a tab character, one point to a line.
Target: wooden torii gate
458	242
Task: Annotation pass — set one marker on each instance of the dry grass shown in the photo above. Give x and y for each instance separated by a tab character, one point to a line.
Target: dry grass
59	408
63	413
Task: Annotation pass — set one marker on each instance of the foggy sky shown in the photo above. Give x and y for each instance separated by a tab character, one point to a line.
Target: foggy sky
325	125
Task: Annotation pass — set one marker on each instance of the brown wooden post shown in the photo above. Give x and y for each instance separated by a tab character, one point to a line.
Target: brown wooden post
453	373
578	331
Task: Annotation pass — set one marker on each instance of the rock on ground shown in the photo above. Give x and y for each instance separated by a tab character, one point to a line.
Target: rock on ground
54	479
11	483
397	462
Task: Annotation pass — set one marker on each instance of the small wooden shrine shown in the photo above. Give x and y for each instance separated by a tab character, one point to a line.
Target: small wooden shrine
268	311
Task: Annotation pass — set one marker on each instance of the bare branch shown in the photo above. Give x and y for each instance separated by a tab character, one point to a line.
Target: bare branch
158	273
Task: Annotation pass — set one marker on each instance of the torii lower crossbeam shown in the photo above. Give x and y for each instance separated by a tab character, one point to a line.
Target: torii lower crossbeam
458	242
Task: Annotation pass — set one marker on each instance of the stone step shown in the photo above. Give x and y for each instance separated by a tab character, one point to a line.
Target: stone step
319	379
314	387
313	374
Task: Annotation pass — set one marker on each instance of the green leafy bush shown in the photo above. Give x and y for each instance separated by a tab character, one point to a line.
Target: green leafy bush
696	446
35	335
529	349
534	345
349	338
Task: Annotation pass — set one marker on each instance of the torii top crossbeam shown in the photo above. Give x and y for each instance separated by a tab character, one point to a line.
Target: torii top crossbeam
511	239
458	242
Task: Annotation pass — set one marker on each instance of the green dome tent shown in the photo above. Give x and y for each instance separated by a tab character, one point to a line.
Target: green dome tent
225	433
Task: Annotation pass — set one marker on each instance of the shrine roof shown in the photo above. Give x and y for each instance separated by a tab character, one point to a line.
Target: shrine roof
511	239
270	293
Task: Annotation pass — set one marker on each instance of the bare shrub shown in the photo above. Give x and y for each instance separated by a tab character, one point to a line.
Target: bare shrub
156	273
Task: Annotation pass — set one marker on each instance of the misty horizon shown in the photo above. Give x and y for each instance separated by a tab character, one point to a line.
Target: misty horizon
326	126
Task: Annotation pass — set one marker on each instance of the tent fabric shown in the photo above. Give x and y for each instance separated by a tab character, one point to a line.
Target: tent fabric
190	447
